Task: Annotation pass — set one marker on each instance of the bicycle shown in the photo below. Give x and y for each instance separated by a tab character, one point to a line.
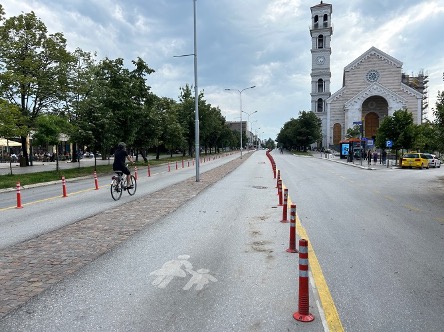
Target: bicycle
119	185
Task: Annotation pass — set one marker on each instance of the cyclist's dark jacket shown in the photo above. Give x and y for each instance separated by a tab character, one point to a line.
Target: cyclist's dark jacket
119	161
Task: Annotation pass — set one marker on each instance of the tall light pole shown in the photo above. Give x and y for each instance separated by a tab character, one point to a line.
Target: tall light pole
196	96
240	98
248	119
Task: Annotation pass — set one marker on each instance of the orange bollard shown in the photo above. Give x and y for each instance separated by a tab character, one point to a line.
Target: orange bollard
169	168
292	246
96	181
176	164
135	172
19	196
303	314
278	177
149	171
285	206
64	187
280	192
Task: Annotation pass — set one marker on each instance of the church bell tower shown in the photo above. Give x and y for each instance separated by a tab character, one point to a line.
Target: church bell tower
321	31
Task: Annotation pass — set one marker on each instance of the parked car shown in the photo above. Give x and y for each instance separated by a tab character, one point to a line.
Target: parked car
433	161
415	160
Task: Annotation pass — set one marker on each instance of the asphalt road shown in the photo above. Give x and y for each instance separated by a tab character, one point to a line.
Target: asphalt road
44	209
379	237
217	263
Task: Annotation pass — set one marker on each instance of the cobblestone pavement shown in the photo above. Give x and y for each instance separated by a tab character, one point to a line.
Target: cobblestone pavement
30	267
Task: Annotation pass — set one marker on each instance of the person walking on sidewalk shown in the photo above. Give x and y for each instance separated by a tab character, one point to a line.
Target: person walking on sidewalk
375	157
369	157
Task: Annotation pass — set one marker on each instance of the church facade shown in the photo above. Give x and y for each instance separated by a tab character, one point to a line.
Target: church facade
374	86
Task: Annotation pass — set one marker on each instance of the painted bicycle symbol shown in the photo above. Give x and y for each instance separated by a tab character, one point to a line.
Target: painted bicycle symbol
182	268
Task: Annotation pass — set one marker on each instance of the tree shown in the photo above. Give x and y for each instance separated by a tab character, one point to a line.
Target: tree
12	122
438	112
354	132
49	127
301	132
34	67
399	129
187	111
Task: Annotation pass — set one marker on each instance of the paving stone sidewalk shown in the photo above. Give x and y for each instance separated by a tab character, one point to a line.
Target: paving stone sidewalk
30	267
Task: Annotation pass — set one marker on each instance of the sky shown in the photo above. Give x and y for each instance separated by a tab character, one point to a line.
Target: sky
241	43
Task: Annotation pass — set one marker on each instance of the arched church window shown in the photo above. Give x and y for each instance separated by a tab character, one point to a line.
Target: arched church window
320	41
320	105
315	21
320	85
325	20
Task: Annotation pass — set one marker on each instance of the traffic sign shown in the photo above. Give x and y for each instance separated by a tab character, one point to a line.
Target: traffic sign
388	144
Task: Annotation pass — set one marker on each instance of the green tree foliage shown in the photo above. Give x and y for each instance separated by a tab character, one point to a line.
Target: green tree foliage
34	66
270	144
301	132
103	101
48	128
354	132
399	129
12	122
186	109
438	112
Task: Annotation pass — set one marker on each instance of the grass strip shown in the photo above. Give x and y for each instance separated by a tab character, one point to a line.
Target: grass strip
26	179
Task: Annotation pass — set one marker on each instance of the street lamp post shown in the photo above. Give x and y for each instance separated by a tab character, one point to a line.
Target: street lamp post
248	119
240	99
196	96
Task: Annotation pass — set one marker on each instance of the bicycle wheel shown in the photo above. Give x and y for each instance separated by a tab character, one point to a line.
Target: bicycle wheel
132	185
116	189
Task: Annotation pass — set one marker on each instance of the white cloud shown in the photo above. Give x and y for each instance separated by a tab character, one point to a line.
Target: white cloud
250	42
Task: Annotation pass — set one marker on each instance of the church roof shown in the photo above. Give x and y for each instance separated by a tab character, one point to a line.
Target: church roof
373	51
322	4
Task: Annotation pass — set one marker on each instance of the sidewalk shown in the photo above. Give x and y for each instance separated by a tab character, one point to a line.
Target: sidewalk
390	164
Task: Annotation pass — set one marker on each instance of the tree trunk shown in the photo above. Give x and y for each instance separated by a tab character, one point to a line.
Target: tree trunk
24	152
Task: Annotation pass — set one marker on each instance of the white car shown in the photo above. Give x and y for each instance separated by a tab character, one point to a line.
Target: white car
433	161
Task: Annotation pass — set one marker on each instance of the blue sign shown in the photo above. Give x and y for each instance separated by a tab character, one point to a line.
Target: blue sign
344	149
388	144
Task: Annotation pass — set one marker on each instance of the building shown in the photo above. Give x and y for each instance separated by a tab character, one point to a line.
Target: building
249	139
374	86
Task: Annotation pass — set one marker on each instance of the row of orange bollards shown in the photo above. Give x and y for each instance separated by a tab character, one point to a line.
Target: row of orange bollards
96	181
303	313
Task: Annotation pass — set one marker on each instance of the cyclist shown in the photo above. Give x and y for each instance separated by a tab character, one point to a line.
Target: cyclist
119	162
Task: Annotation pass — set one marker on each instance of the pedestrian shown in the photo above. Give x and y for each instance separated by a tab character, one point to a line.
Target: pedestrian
369	157
375	157
384	156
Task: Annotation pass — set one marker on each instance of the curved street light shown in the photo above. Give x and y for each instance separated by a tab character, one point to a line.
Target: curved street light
240	98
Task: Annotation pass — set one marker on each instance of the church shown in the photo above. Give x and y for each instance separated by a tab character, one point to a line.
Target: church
373	86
